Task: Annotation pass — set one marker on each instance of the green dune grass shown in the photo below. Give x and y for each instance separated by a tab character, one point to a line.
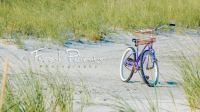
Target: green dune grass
187	67
92	18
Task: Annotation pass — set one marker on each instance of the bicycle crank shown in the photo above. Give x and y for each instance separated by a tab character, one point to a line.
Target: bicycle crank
131	60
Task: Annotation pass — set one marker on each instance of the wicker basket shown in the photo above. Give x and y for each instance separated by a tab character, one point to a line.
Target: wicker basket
145	36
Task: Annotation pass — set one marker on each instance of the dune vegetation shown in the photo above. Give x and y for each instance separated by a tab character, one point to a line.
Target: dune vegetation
187	67
93	18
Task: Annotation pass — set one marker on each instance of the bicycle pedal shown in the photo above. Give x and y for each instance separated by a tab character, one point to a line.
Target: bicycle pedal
147	77
149	68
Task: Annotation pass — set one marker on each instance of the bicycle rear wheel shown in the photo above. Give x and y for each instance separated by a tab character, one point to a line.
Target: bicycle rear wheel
149	68
126	71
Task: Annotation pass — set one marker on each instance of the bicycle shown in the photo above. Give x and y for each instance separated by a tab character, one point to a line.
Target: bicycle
148	63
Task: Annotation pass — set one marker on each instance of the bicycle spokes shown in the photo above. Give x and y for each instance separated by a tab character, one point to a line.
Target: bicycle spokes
127	64
148	68
149	61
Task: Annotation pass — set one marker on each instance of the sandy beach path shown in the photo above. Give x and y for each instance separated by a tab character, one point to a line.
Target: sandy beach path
98	66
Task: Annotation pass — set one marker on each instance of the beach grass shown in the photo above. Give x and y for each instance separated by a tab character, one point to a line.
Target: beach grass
57	19
187	68
93	18
40	90
189	71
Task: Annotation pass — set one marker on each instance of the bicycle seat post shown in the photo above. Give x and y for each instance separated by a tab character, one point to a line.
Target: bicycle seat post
137	50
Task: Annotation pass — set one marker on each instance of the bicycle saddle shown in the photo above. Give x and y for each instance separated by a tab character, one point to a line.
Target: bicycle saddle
134	40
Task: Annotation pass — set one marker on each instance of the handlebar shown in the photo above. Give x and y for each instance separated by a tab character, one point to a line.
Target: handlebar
151	31
164	26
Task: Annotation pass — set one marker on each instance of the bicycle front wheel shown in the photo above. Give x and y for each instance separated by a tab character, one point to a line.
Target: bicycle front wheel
126	70
149	68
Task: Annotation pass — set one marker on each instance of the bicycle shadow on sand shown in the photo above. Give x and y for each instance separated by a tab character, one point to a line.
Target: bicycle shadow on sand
166	83
134	82
160	84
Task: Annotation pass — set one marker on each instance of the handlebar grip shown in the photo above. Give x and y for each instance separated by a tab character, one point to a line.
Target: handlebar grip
171	24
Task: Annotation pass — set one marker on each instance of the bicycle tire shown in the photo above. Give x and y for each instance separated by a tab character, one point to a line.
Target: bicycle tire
147	59
123	68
